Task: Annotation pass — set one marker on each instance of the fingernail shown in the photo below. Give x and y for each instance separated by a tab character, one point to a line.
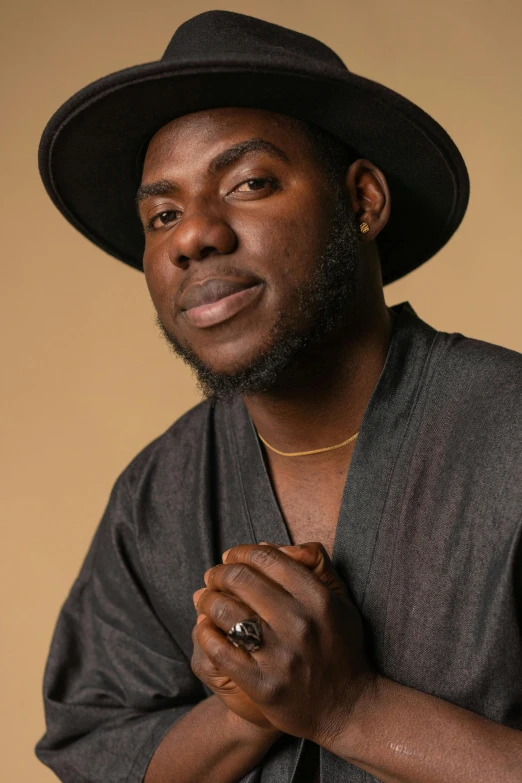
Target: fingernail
224	555
205	576
200	619
196	595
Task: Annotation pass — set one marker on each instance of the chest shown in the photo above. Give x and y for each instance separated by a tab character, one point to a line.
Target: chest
310	499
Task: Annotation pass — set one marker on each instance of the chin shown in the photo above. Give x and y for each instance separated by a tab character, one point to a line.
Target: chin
242	362
235	356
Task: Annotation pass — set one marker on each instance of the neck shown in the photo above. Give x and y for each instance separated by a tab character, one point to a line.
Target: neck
321	400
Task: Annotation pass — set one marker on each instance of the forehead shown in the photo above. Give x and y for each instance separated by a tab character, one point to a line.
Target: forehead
202	135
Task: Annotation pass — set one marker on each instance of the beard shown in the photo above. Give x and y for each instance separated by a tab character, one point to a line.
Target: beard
322	303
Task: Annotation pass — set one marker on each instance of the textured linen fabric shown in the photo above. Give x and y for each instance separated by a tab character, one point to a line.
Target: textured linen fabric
429	540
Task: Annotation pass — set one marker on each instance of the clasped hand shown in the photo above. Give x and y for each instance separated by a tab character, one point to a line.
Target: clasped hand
311	670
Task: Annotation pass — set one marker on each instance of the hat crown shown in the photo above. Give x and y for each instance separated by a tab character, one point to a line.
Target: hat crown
228	36
91	149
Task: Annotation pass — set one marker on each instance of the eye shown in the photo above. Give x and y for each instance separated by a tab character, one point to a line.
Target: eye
256	183
162	219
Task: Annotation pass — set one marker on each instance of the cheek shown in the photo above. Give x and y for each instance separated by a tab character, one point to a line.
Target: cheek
291	252
161	278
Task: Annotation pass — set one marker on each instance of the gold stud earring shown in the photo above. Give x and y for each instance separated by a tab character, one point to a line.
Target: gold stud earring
364	228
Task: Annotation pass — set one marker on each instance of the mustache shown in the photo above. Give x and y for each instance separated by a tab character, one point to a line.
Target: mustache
218	270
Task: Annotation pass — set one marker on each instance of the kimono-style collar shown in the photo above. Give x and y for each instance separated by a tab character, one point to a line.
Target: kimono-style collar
381	439
380	436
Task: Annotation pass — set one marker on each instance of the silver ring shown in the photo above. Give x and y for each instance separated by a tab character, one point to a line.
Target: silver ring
247	634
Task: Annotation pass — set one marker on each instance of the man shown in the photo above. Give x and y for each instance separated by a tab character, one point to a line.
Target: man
275	192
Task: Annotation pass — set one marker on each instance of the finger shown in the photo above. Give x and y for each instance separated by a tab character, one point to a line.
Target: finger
306	554
314	556
225	611
266	598
294	577
202	666
196	596
237	664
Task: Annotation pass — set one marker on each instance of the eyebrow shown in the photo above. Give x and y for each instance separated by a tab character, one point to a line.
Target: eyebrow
164	186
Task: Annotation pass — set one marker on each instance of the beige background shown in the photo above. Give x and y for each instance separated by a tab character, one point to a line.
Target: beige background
87	380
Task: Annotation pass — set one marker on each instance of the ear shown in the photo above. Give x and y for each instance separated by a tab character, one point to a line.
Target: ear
369	197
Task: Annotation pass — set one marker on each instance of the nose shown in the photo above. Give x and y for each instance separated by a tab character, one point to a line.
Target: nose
198	236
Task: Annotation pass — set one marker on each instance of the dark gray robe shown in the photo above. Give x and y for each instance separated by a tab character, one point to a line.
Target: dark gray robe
429	540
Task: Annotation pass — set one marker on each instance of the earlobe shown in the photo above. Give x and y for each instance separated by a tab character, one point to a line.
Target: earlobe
370	198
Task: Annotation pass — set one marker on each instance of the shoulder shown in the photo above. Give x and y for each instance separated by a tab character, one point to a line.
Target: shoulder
174	453
464	375
466	428
482	372
472	411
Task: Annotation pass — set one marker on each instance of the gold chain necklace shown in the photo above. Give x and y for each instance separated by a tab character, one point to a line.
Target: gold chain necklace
306	453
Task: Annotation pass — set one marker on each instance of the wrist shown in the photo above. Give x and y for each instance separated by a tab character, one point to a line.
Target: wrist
251	731
351	741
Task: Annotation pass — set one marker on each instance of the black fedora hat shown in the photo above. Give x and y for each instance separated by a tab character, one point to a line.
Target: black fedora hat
90	148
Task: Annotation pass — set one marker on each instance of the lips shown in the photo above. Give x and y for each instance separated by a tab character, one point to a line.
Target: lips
217	300
212	291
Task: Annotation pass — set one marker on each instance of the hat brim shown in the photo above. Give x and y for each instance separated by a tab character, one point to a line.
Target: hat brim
89	148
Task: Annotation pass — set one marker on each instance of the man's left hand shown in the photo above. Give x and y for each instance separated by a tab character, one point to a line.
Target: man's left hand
311	669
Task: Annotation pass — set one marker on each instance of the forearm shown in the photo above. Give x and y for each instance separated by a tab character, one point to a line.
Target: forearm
401	735
209	743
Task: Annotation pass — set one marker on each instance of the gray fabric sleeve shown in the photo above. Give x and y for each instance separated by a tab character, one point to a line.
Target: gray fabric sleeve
115	679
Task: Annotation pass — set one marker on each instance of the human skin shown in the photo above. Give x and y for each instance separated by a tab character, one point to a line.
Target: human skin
218	226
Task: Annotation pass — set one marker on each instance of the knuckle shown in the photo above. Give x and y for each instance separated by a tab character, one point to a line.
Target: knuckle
263	556
236	575
301	626
270	691
312	546
221	613
317	551
219	653
306	628
321	599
